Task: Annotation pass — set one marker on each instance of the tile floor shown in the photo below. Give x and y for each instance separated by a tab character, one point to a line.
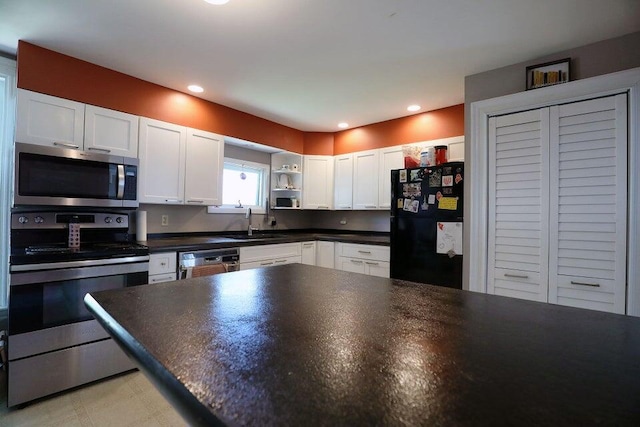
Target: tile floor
125	400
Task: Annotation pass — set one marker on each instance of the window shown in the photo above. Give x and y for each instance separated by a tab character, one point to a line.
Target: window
244	185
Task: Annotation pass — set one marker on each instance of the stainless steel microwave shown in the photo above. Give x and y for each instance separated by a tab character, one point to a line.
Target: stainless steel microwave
64	177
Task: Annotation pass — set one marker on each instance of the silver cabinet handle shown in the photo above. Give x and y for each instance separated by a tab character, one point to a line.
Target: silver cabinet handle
66	145
517	276
173	200
355	261
195	201
104	150
323	207
345	207
371	263
595	285
370	206
365	252
280	261
307	245
267	263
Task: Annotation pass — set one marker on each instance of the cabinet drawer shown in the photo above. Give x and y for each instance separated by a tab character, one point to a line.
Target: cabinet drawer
162	263
587	292
159	278
380	253
270	262
269	252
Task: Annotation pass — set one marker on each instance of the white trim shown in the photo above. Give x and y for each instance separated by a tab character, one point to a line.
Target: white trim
7	132
477	169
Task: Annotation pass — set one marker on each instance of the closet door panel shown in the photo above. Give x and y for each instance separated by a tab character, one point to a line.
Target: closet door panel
518	212
588	204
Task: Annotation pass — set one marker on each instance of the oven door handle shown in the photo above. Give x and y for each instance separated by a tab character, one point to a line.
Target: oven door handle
121	179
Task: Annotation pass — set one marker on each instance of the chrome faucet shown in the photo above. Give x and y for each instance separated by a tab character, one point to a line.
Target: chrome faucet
250	229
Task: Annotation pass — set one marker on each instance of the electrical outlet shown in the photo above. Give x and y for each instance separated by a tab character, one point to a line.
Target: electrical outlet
343	221
165	220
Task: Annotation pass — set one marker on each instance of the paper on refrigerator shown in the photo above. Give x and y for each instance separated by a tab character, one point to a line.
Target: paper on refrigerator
449	238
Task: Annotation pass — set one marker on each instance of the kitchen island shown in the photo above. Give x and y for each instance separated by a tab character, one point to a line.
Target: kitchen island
298	344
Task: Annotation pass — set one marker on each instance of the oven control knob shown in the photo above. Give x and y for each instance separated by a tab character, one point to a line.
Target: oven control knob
108	220
23	220
38	220
119	220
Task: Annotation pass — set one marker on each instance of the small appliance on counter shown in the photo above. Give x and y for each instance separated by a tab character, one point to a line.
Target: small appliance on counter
426	224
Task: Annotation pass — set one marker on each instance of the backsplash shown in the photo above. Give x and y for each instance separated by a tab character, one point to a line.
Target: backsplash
192	219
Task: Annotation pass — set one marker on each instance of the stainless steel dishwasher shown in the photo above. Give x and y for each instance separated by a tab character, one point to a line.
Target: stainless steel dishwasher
207	262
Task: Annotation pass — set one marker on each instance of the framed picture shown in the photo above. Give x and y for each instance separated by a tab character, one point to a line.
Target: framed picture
548	74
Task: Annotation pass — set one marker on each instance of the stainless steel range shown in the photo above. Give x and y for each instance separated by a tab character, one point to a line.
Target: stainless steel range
56	258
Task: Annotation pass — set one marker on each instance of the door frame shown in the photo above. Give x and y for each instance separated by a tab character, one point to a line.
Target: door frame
476	169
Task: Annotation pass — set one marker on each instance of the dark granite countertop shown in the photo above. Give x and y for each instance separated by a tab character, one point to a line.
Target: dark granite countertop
304	345
215	241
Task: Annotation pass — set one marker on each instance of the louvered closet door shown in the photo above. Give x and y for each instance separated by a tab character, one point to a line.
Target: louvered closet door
588	204
518	207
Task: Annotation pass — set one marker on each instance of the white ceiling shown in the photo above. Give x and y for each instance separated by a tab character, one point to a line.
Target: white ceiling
310	64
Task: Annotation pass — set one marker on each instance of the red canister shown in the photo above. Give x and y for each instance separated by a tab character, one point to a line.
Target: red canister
441	154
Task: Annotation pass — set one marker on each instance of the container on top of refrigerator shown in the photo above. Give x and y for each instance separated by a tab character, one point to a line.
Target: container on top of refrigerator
428	157
441	154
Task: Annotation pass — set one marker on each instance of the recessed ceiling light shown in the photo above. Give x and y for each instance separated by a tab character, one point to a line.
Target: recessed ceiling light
413	107
217	2
195	88
343	125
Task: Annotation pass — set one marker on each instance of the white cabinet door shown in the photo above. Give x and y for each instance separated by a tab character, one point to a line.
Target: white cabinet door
203	169
518	212
318	182
269	252
162	263
162	161
110	132
325	254
589	204
365	180
309	253
390	158
269	263
48	120
377	268
343	182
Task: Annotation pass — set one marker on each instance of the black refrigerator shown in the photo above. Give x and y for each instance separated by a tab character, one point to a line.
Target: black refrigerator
426	224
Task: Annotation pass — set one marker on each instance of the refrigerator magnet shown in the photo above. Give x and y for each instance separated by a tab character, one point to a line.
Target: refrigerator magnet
432	199
400	203
458	178
448	203
425	205
411	190
403	175
447	180
416	175
435	178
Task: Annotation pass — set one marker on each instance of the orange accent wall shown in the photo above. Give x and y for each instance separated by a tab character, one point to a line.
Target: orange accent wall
320	143
46	71
436	124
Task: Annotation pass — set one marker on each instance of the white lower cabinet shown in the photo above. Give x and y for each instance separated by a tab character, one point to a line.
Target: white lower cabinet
366	259
325	254
162	267
270	255
308	252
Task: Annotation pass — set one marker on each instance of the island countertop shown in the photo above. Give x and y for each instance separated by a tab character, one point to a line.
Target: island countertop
298	344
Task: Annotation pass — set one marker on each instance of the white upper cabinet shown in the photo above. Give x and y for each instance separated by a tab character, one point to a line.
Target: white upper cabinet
52	121
48	120
318	182
286	180
110	132
162	161
365	180
203	169
343	182
390	158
